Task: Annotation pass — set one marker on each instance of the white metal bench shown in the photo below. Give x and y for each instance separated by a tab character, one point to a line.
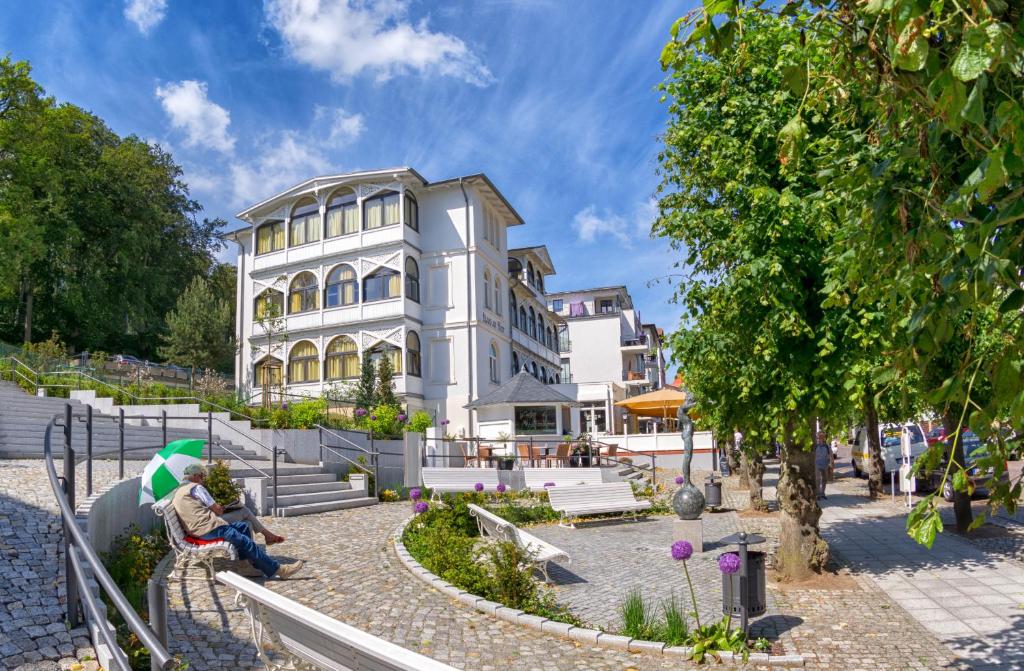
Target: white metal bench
459	480
536	478
308	639
540	551
185	551
609	497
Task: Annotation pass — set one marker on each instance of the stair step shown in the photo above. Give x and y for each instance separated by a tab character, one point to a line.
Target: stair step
310	508
311	488
316	497
313	474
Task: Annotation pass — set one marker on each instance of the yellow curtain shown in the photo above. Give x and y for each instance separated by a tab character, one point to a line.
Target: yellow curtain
278	235
295	302
391	212
395	285
351	216
374	210
396	359
304	370
313	228
298	232
348	293
264	239
270	371
334	223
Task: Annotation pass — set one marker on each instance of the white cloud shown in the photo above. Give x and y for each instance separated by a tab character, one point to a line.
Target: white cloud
145	14
287	157
204	122
347	37
590	225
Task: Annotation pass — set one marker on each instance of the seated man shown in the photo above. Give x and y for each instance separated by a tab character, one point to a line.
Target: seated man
199	514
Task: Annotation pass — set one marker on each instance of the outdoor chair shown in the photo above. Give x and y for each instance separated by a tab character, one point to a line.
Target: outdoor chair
526	455
560	457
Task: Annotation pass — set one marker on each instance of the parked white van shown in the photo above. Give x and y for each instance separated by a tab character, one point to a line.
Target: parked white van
891	437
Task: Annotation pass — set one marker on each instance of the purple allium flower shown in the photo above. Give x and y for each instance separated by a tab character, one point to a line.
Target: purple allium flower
373	417
548	484
682	550
421	507
729	562
479	486
284	406
680	479
415	494
445	422
501	487
401	417
360	412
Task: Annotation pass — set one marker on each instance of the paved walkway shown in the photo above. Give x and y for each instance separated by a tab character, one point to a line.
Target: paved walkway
968	599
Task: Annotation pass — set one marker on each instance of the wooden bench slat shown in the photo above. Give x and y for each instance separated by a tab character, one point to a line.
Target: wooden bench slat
607	497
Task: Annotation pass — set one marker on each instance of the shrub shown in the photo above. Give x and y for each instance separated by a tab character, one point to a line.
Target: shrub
383	421
218	482
420	421
307	414
388	495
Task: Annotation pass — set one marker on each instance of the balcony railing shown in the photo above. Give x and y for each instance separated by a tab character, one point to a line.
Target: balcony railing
633	376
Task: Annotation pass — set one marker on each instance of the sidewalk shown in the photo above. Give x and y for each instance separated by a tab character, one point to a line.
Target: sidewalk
970	600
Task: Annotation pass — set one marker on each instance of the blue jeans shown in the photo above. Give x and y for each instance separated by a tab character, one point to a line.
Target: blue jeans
240	535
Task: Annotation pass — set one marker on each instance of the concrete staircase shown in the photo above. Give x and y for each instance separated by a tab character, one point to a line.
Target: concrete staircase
638	473
302	489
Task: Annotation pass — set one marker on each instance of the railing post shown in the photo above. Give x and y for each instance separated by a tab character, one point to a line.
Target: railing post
320	435
163	423
69	490
273	500
88	451
373	463
209	436
120	443
654	470
156	596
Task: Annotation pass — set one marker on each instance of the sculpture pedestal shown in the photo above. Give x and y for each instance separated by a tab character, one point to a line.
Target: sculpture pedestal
691	531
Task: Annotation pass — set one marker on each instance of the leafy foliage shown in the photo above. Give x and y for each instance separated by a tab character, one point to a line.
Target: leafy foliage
420	421
218	482
200	332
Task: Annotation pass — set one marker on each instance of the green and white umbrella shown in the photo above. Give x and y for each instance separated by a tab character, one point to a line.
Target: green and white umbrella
166	470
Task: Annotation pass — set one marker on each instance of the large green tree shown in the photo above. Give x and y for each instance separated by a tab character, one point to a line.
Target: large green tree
199	329
758	342
926	178
98	234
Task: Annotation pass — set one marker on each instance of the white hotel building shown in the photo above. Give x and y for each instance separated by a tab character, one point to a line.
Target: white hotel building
386	262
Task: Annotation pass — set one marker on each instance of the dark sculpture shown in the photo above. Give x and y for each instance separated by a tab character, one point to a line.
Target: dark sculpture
688	501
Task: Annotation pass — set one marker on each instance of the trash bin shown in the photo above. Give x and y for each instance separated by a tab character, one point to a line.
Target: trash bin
732	594
712	492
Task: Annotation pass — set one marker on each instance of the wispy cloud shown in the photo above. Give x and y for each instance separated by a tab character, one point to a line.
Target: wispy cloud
349	37
145	14
591	225
204	122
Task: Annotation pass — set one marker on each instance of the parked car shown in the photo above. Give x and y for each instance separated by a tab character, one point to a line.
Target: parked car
891	437
974	450
937	435
127	360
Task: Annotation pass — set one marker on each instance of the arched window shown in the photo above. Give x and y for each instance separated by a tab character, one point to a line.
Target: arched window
342	287
529	273
381	284
303	363
267	372
487	289
383	349
381	210
269	304
523	326
412	280
497	295
540	282
550	342
342	213
342	359
533	368
515	362
543	374
513	312
531	325
414	362
305	222
558	378
270	237
493	361
303	296
540	328
412	212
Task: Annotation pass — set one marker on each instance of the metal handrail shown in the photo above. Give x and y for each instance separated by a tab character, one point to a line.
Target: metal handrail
374	455
158	653
268	448
263	474
341	437
79	374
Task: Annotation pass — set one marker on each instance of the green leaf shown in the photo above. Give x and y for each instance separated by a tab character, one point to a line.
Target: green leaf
712	7
960	481
974	110
911	51
990	174
923	523
1015	301
792	138
795	77
973	58
878	6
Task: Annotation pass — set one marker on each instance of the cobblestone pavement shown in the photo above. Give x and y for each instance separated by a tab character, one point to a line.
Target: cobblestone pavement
33	634
969	600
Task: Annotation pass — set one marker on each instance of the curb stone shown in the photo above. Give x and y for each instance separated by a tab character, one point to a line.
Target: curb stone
599	638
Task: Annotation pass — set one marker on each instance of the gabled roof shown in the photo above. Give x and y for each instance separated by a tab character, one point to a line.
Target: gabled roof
539	251
522	389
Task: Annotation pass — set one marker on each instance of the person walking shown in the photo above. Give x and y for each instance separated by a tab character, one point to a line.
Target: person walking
822	462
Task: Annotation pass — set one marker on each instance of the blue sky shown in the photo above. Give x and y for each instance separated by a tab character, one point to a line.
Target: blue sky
553	100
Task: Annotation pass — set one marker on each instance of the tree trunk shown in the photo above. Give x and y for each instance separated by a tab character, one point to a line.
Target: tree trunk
28	313
744	469
875	463
961	500
755	481
732	455
802	550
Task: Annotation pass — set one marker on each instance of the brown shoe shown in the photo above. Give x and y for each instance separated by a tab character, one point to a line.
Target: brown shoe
288	570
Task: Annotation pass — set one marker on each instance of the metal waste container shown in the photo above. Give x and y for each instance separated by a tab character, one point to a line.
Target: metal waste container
712	492
732	592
